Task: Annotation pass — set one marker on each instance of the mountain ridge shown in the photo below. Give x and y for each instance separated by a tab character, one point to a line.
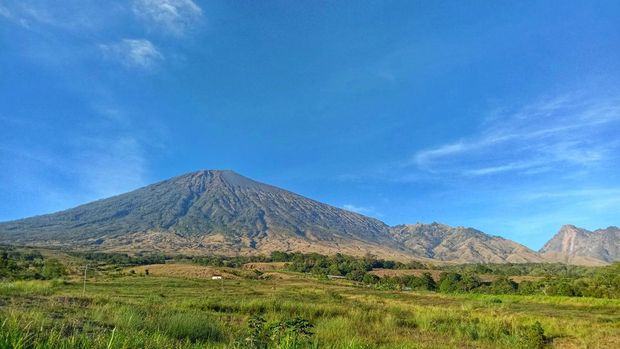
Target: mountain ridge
437	241
223	212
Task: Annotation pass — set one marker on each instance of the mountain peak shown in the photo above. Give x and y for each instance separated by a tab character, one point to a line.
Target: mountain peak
570	227
573	241
203	179
206	211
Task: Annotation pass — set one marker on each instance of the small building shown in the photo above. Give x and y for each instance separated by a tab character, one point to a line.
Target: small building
216	277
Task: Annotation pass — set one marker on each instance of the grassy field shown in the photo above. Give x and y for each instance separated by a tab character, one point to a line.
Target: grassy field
168	311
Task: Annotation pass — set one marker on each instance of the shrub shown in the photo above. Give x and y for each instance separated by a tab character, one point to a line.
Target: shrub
53	269
293	333
449	282
533	337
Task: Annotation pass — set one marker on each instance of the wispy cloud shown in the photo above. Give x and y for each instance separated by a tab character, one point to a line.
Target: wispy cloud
73	15
170	16
133	53
365	210
92	23
108	157
560	133
4	12
111	165
589	198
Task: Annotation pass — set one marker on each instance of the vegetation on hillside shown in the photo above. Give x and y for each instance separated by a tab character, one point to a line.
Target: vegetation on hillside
18	264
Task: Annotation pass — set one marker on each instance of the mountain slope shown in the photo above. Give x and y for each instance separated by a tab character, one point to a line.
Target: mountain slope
581	246
221	212
206	211
462	245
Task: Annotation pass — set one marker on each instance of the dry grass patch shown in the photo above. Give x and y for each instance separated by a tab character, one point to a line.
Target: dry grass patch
403	272
180	270
265	266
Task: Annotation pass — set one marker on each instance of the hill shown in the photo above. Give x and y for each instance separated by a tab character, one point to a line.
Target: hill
461	245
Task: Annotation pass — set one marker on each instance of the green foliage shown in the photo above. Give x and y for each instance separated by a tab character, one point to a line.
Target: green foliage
533	337
20	264
278	256
521	269
122	259
450	282
600	282
503	285
53	269
370	279
426	282
294	333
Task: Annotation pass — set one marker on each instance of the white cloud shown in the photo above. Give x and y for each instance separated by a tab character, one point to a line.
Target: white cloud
170	16
88	19
133	53
559	133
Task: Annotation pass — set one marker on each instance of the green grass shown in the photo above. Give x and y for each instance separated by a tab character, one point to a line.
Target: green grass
160	312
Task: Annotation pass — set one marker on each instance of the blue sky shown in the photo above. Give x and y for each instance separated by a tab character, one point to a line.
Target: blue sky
500	115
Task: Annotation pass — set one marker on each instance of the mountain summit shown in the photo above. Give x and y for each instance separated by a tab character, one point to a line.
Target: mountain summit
206	211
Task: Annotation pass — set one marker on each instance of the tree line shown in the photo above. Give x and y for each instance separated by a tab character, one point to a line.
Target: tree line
551	278
18	264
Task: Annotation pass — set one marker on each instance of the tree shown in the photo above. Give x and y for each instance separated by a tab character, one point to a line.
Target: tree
277	256
450	282
356	275
469	282
370	279
52	269
504	285
427	282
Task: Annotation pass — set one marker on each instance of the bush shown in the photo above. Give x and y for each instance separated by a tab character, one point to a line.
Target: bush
503	285
53	269
449	282
533	337
293	333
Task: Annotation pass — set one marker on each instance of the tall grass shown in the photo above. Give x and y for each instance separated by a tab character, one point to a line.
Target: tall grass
149	312
29	287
